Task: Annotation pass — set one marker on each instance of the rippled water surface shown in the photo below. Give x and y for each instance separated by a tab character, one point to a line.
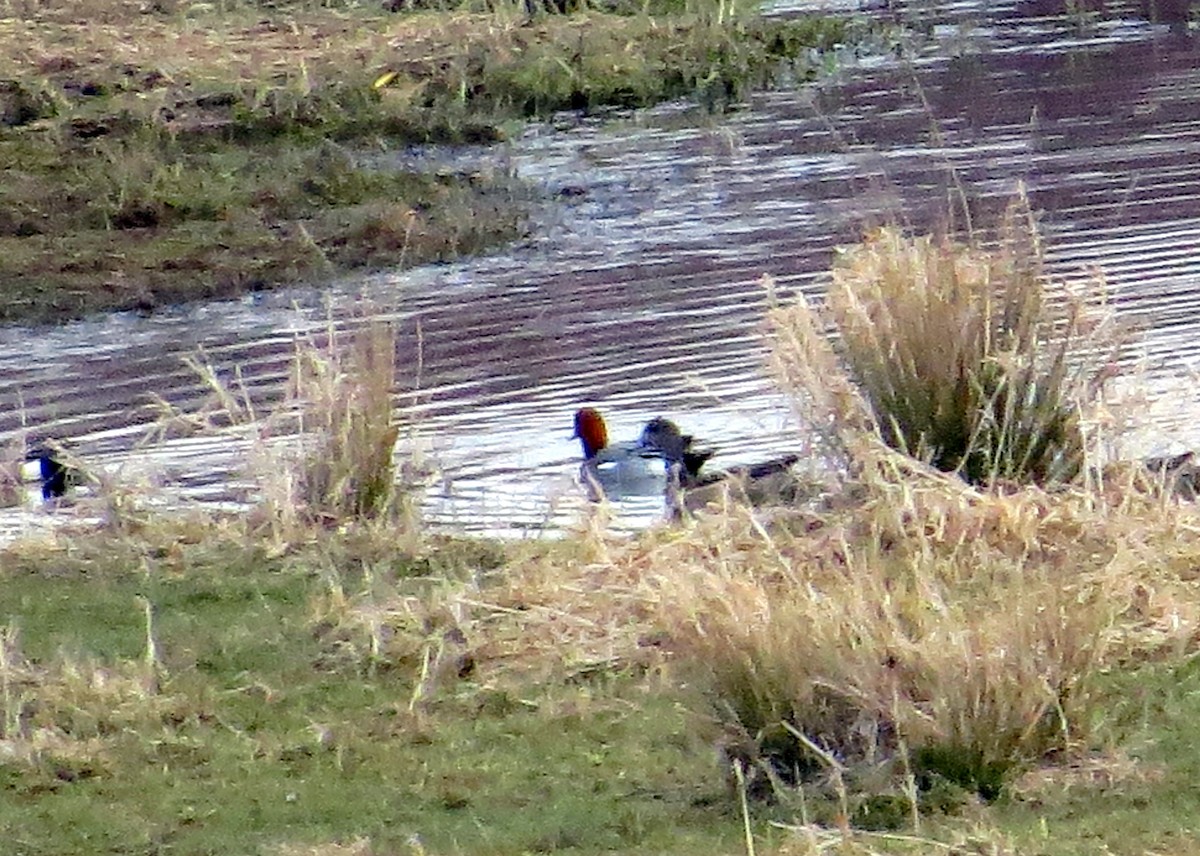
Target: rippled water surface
640	291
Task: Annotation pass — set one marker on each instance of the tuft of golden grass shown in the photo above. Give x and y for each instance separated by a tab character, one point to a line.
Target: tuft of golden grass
871	643
968	357
346	405
924	627
379	625
327	453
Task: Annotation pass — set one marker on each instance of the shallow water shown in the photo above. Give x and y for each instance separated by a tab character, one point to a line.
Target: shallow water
639	290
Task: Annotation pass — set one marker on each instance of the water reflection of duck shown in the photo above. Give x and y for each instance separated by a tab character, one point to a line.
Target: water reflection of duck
613	470
770	482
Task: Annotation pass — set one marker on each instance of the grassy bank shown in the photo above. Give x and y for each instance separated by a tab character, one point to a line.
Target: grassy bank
155	153
303	719
195	689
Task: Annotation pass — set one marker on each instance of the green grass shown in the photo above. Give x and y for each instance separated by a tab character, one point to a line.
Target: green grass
143	222
1144	804
261	733
270	726
495	785
267	727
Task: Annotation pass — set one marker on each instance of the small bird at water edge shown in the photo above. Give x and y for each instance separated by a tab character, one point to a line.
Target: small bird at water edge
56	474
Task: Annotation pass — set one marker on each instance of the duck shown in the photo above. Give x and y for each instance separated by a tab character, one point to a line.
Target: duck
662	435
1179	474
56	475
616	470
690	488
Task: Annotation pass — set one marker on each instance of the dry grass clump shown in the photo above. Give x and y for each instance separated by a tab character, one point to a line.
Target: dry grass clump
379	626
69	708
574	609
886	650
931	630
326	454
968	357
346	404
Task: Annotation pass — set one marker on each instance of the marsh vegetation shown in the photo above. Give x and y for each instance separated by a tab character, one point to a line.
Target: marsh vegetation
927	658
155	153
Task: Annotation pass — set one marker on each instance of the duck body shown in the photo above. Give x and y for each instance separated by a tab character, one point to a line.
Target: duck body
690	488
615	470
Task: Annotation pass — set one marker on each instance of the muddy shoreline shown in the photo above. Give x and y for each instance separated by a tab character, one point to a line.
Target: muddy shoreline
166	155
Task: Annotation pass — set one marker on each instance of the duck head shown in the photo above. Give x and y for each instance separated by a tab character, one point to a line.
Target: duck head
663	436
591	431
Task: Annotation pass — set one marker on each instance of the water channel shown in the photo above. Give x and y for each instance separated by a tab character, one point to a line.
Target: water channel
639	289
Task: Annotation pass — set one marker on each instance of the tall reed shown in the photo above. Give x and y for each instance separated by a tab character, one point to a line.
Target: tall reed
348	469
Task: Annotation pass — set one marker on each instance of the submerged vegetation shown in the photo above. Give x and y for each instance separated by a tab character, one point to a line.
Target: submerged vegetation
159	152
918	661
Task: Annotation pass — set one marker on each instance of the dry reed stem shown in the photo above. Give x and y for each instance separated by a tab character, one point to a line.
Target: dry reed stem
357	847
12	456
808	369
809	839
